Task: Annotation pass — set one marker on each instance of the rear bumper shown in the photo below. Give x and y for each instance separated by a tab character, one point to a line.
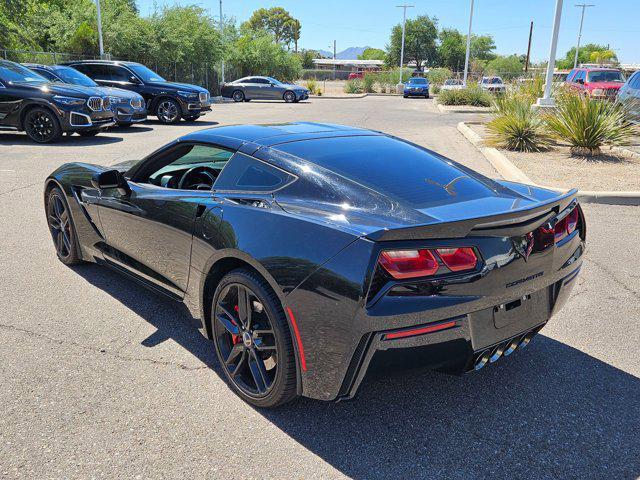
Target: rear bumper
459	344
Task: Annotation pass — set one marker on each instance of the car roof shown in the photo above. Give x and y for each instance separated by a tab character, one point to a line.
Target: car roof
105	62
235	136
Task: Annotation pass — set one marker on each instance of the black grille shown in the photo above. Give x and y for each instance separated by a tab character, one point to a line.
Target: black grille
106	103
354	365
95	103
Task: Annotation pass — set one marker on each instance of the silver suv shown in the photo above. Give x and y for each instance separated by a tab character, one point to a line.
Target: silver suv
629	96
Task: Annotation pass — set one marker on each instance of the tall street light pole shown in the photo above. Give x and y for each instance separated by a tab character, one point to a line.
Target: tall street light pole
546	100
466	57
583	6
404	23
100	30
221	38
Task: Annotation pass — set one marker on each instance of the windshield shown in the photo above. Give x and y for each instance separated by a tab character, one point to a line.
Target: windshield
12	72
146	74
418	81
71	75
605	76
453	82
492	80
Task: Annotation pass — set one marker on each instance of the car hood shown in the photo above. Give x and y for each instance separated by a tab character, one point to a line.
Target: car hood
120	92
59	88
605	84
180	86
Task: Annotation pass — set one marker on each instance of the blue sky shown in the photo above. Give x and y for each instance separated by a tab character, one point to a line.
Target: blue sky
359	23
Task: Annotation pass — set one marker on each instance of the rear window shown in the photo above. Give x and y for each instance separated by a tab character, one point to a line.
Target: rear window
418	81
391	167
605	76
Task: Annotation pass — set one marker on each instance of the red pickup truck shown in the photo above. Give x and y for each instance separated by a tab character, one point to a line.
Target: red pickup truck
597	82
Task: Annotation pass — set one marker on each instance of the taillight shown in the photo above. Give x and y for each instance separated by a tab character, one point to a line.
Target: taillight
458	259
409	263
401	264
567	225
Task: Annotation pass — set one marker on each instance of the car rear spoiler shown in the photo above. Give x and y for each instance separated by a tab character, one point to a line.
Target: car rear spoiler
509	224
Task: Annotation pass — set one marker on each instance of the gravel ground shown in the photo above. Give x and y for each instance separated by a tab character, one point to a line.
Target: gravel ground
557	168
103	379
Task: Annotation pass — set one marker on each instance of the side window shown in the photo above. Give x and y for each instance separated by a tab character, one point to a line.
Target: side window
90	70
169	168
117	74
635	81
262	80
571	74
247	174
46	74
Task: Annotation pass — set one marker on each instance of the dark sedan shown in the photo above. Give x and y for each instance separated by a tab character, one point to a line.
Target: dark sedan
310	257
263	88
128	107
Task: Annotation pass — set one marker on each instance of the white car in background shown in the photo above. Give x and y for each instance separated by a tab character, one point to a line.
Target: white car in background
492	84
452	84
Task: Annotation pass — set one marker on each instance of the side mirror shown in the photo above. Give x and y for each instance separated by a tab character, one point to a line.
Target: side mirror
133	79
110	179
581	81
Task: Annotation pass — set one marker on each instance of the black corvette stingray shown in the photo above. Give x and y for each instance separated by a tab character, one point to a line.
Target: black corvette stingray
314	252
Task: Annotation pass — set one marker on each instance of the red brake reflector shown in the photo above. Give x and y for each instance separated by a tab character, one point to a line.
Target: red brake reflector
419	331
408	263
572	220
458	259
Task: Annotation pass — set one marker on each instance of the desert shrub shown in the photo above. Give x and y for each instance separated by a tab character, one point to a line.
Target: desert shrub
313	87
435	89
587	124
368	82
517	126
353	86
437	76
467	96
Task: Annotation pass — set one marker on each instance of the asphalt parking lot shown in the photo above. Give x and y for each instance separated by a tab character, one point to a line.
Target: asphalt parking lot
101	378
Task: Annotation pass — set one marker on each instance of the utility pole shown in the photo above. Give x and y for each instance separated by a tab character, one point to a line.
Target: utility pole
526	64
100	30
546	100
222	39
466	57
404	23
334	49
583	6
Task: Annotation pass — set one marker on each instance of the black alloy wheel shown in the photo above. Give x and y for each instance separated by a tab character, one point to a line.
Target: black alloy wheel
289	96
168	111
238	96
252	340
62	229
42	126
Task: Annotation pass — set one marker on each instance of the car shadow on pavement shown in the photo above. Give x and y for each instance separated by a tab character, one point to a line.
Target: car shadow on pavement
549	411
65	140
194	123
132	129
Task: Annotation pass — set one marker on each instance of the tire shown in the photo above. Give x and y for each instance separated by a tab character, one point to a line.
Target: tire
238	96
426	96
405	96
248	359
168	111
63	231
88	133
42	126
289	96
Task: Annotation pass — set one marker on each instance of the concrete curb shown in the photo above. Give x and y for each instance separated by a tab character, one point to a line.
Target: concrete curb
513	174
463	109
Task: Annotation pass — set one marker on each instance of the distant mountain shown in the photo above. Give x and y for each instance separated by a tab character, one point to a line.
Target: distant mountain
350	53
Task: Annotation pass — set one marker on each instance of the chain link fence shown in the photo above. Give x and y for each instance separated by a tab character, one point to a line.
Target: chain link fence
205	74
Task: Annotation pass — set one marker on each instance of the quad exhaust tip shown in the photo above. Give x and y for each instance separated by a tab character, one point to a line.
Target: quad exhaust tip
503	349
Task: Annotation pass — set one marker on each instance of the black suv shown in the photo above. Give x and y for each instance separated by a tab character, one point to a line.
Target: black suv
168	101
45	110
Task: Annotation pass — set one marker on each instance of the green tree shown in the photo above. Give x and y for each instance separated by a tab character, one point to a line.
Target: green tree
420	42
372	54
306	58
482	47
257	53
452	49
505	66
602	56
584	55
278	22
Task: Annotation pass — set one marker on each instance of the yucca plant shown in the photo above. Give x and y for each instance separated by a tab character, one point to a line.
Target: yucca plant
312	86
517	126
587	124
353	86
